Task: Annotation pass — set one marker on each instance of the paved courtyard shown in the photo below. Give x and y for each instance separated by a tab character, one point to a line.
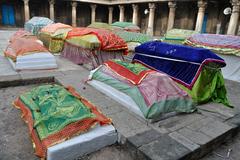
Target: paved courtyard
185	136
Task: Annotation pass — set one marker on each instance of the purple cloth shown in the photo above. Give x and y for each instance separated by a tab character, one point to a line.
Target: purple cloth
89	58
216	40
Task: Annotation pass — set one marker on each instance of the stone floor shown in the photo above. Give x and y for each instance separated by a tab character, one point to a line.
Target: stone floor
15	143
185	136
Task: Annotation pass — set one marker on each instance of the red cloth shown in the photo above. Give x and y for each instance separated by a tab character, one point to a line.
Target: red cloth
23	46
127	73
109	40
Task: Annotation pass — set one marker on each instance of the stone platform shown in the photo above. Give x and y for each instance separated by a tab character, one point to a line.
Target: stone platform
185	136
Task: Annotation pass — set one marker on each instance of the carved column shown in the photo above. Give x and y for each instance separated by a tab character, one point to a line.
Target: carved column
93	12
26	10
232	27
51	9
121	15
110	14
74	14
202	4
152	8
171	15
135	14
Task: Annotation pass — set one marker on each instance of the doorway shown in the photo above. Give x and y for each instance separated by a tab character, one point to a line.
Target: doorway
8	16
204	26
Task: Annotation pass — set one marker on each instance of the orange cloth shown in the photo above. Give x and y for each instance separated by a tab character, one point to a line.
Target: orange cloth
52	28
23	46
22	34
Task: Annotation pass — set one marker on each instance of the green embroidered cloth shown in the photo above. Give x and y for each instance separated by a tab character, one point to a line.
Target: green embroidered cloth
136	68
122	24
179	34
53	107
218	50
100	25
133	36
89	41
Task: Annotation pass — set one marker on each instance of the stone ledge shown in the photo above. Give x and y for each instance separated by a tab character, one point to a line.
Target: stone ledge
164	148
17	81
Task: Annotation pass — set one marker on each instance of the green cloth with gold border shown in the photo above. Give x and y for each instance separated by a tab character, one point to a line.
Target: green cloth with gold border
53	107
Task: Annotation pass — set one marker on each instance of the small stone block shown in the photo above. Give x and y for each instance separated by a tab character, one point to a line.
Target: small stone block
215	129
165	148
127	124
144	137
195	136
184	141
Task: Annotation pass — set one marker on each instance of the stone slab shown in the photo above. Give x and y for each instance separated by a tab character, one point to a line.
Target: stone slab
215	129
127	125
165	148
83	144
184	141
219	110
195	136
179	121
144	138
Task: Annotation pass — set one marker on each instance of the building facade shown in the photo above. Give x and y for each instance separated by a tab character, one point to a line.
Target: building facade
154	17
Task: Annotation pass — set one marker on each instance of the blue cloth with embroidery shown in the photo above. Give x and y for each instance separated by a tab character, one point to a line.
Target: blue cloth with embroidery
182	63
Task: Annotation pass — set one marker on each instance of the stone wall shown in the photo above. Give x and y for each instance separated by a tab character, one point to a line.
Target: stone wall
186	15
83	14
63	12
143	19
115	13
101	14
161	19
39	8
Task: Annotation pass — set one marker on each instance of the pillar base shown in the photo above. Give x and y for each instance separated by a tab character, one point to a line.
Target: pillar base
149	31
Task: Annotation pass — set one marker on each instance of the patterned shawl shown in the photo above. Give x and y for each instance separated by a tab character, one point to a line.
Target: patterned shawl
109	41
134	73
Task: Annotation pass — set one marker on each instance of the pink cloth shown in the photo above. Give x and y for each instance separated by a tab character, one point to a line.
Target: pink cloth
154	88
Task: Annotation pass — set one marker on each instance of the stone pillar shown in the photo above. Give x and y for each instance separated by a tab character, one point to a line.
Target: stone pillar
26	10
110	14
121	15
202	4
232	27
51	9
238	33
152	8
74	14
171	15
135	14
93	12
